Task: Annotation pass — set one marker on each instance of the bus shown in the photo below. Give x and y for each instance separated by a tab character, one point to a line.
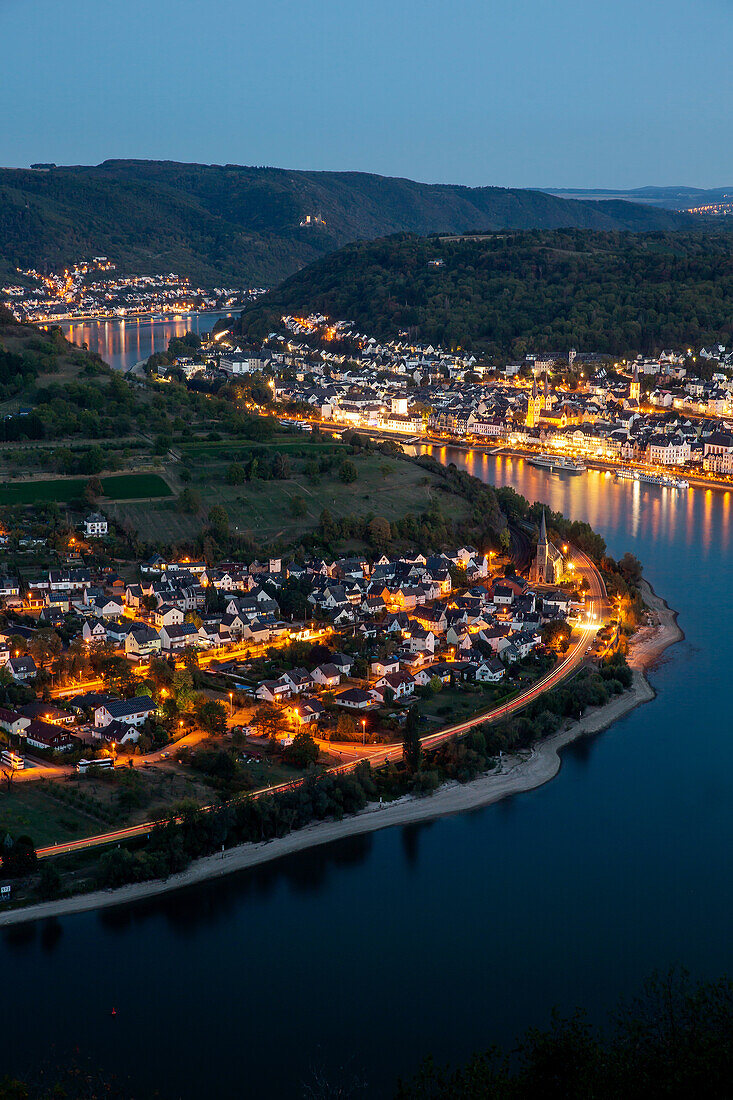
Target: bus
12	760
105	762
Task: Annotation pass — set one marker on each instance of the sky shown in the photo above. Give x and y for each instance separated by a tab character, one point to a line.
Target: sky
516	93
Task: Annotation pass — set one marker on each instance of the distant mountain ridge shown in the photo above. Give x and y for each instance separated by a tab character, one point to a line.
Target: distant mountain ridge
667	198
241	225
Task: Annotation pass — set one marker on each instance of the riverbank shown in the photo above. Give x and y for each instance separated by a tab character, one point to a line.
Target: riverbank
517	774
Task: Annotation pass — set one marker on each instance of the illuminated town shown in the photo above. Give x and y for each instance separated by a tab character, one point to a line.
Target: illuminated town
93	288
665	419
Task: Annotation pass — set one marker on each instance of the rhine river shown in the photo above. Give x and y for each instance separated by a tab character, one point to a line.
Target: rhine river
359	958
125	341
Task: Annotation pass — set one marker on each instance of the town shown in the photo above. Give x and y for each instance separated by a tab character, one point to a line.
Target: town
661	416
94	288
92	658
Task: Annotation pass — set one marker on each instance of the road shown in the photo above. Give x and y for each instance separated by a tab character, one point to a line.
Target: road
580	647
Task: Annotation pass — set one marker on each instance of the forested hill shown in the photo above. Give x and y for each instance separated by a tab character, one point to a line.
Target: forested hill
508	293
242	225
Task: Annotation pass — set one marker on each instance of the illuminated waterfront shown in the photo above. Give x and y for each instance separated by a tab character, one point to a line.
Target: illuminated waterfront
124	342
438	938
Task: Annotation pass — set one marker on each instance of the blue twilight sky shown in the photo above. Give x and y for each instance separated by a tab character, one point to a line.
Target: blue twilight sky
509	92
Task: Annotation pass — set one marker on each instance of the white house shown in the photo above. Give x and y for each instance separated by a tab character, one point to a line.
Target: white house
95	525
132	712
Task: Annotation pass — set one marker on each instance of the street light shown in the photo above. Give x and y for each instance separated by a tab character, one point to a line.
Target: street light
231	704
363	731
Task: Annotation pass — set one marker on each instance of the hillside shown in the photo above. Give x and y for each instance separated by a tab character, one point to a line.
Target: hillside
242	225
504	294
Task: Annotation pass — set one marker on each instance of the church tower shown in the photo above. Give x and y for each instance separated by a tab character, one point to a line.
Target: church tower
533	405
547	567
546	398
635	388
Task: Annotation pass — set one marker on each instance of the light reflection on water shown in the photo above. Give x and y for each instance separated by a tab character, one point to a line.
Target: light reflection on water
124	342
640	511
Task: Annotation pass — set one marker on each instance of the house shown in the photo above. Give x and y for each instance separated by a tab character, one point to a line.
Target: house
401	684
490	671
95	525
307	710
273	691
177	637
107	607
49	713
48	737
344	662
354	699
298	679
380	667
13	722
421	640
555	604
131	711
94	632
134	595
21	668
121	733
142	641
167	615
327	676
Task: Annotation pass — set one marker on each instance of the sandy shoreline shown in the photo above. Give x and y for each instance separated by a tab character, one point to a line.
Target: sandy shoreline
521	773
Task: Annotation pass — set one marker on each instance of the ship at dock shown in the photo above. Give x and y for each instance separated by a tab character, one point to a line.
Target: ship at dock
664	480
557	464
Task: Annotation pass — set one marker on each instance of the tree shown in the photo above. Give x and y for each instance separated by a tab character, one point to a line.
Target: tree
211	716
297	506
346	727
268	720
18	856
380	531
411	747
236	474
219	521
49	882
556	635
189	501
303	751
348	472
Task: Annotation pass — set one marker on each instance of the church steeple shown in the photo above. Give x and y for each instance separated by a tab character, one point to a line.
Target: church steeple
533	405
635	388
543	531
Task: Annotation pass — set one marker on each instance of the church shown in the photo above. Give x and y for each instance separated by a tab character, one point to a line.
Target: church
548	565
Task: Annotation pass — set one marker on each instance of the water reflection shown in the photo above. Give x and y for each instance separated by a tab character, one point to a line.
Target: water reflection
639	511
124	342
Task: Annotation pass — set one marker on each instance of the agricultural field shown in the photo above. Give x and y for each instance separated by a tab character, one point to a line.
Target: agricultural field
291	505
64	490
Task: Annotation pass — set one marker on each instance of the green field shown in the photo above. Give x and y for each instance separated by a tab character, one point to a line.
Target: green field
27	809
63	490
385	487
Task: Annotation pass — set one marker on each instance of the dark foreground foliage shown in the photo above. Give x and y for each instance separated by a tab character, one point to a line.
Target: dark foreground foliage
674	1040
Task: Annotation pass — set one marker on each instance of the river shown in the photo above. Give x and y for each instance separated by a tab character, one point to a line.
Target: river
361	957
125	341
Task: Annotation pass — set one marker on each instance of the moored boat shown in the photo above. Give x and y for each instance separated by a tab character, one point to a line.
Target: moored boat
557	464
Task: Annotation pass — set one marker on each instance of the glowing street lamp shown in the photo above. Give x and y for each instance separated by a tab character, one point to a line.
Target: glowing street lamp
363	731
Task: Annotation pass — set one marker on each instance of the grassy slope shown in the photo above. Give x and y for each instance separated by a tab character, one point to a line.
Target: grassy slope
264	507
509	293
241	224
